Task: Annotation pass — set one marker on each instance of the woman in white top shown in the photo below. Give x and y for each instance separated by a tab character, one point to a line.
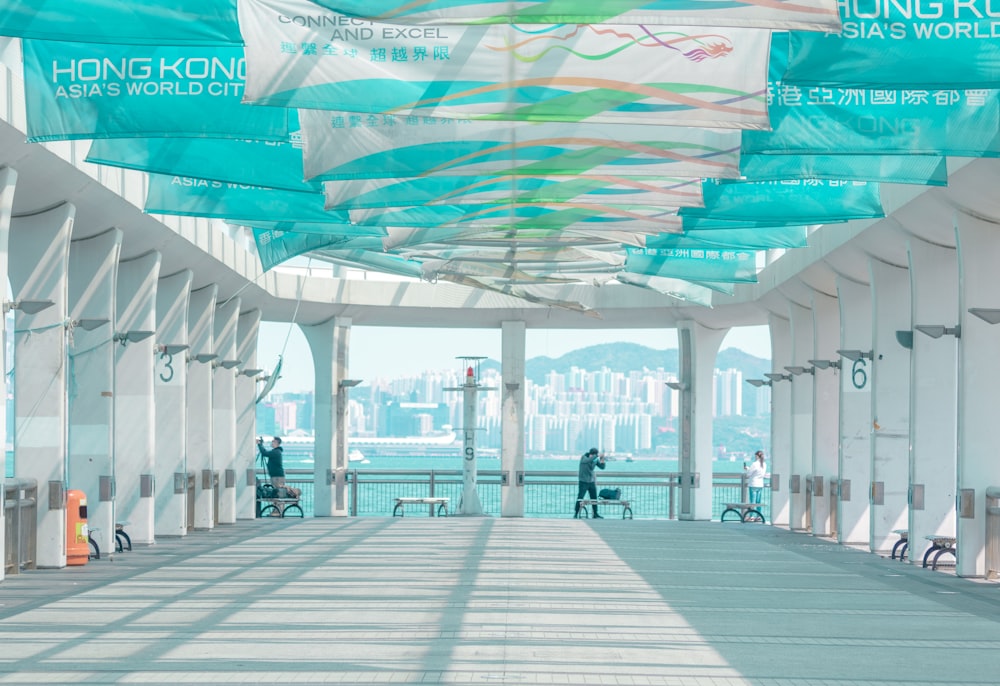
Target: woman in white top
755	476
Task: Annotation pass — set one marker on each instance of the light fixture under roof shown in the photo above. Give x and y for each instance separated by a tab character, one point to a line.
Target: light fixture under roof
855	355
825	364
987	314
937	330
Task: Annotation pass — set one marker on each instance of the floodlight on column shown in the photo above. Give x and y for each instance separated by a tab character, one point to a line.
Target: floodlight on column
349	383
987	314
778	377
855	355
800	370
27	306
825	364
937	330
758	382
677	385
126	337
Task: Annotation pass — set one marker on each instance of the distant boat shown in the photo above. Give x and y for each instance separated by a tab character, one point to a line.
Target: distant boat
356	456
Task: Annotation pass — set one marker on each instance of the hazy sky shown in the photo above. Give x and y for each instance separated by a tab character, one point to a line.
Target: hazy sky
395	352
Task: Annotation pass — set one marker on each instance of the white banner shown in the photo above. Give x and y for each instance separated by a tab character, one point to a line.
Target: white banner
299	56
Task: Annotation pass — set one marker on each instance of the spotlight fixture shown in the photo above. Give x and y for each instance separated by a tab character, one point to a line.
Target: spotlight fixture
778	377
800	370
987	314
677	385
126	337
936	331
758	382
27	306
825	364
905	339
855	355
349	383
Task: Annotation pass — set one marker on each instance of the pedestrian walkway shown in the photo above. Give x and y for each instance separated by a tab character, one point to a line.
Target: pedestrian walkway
455	600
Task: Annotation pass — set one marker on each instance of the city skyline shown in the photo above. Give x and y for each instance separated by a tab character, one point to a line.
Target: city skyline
394	352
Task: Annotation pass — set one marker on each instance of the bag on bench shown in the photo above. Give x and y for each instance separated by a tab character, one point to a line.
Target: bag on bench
266	491
610	494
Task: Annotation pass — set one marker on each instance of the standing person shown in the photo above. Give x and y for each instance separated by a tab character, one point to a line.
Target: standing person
755	474
588	480
275	466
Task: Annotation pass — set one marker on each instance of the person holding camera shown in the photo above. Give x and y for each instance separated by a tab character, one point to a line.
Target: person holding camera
755	474
588	479
275	466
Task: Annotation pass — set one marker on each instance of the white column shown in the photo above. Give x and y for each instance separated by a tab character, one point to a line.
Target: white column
224	407
93	272
854	473
979	379
890	397
802	418
698	347
781	421
512	344
170	399
135	413
246	413
39	261
201	314
933	396
826	412
8	179
329	343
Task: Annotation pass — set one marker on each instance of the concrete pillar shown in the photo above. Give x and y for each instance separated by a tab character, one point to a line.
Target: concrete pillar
330	344
201	326
512	347
979	379
889	381
854	472
39	265
698	347
802	418
933	396
781	421
246	413
224	407
8	180
93	273
135	412
826	413
170	395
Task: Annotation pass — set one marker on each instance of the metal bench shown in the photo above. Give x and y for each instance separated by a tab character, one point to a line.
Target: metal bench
402	502
279	507
899	549
744	512
587	502
939	546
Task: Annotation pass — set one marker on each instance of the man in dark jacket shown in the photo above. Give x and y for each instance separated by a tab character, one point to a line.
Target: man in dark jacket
588	480
275	466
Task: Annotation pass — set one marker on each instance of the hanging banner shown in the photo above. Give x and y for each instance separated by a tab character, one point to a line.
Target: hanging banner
852	121
471	190
123	22
80	90
925	170
269	164
807	15
731	266
275	246
680	76
941	45
176	195
789	202
735	239
339	146
528	216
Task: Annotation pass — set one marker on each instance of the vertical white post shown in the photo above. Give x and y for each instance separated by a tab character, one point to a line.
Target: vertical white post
135	413
93	271
512	418
39	252
8	180
826	410
246	413
802	416
170	399
470	504
224	407
201	315
781	422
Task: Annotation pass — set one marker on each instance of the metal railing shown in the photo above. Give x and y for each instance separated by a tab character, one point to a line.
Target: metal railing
653	495
993	532
20	506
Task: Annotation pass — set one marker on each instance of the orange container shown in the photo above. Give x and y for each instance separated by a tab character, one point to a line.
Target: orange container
77	533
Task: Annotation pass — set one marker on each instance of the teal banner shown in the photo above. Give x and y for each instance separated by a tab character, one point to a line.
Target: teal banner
275	246
81	90
853	121
924	170
732	266
176	195
123	22
334	228
789	202
438	190
735	239
941	45
269	164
